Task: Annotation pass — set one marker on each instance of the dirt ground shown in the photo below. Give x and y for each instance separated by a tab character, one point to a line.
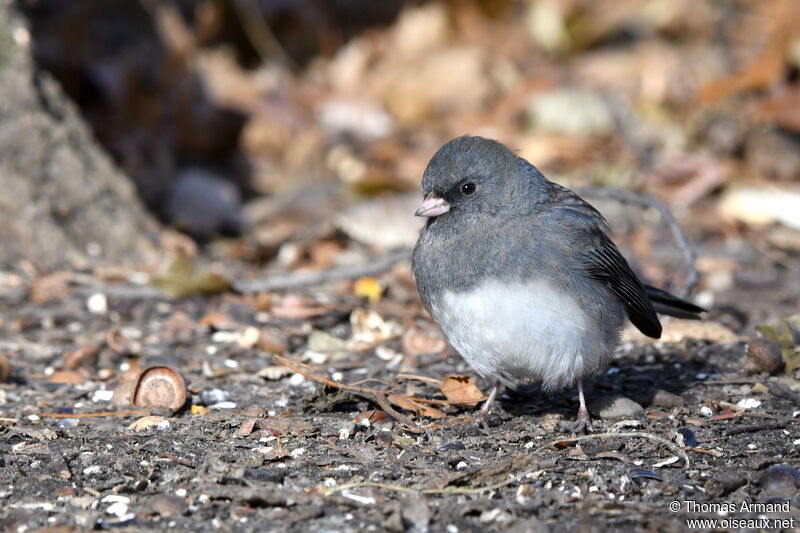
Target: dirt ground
259	447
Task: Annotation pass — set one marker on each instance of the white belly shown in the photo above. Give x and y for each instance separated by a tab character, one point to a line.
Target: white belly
523	331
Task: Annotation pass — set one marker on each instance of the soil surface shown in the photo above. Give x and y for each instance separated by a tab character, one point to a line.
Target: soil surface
260	447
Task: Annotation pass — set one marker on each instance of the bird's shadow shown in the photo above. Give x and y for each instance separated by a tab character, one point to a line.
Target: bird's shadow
637	374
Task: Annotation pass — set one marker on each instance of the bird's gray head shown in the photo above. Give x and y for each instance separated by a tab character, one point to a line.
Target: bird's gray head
473	176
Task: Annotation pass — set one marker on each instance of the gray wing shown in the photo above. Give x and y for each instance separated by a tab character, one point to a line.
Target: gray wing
600	259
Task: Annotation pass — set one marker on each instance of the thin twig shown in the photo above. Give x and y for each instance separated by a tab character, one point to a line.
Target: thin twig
647	201
306	279
512	479
95	415
260	34
378	395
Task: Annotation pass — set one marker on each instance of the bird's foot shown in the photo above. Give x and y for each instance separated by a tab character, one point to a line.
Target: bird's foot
583	424
482	419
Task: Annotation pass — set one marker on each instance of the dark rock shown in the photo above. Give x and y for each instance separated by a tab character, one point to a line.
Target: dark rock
662	398
763	356
725	482
780	480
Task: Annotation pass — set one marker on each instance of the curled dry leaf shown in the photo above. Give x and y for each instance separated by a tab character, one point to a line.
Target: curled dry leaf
422	341
69	377
5	369
274	372
461	390
216	321
85	357
371	417
148	422
246	428
293	307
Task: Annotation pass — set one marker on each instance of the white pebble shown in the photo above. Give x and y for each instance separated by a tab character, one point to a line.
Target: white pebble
97	304
223	405
102	395
706	411
749	403
297	453
296	379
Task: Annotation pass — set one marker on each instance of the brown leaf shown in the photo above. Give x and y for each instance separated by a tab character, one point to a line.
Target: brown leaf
51	288
85	357
407	403
295	307
246	428
70	377
461	390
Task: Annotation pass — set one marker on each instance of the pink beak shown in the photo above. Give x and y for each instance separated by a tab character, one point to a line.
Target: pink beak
432	206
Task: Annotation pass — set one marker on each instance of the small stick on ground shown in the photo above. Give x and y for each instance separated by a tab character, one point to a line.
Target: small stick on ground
307	279
378	395
95	415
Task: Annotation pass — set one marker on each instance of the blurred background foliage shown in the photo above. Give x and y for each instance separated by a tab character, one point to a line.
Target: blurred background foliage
263	115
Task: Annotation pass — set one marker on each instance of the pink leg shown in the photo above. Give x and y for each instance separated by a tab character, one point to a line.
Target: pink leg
483	414
584	420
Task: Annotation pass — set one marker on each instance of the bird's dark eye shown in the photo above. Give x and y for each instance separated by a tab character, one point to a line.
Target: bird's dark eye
468	188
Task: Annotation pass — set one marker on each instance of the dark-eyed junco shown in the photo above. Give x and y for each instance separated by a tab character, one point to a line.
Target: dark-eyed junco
521	274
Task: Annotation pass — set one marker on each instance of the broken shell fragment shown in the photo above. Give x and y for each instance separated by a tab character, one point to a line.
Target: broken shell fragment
159	386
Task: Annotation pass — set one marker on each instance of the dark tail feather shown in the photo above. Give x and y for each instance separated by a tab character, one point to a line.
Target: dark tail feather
667	304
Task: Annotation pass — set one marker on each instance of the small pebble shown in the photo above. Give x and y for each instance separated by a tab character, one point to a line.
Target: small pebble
223	405
706	411
615	407
763	356
296	380
748	403
254	411
102	395
212	396
450	446
780	480
97	304
662	398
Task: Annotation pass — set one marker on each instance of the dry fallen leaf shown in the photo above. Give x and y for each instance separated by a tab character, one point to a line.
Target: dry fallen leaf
70	377
461	390
85	357
407	403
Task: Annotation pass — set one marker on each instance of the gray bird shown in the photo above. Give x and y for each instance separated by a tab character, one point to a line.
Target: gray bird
521	275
